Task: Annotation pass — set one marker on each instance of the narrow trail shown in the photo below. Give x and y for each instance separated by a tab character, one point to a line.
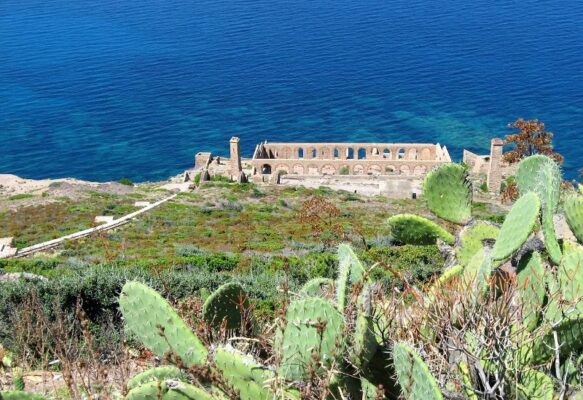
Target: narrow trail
26	251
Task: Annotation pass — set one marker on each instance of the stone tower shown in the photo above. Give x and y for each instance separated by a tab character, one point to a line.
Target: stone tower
495	169
235	159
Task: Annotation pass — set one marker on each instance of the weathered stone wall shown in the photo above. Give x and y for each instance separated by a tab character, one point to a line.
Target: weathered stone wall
202	160
348	158
396	187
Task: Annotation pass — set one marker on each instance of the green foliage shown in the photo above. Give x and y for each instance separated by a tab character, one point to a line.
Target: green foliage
478	270
313	326
517	227
551	243
18	379
363	344
225	304
19	395
569	332
21	196
344	170
573	206
412	229
162	373
535	385
531	283
126	181
448	193
156	324
414	377
472	238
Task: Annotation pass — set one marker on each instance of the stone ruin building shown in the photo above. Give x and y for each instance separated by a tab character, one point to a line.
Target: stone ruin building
393	169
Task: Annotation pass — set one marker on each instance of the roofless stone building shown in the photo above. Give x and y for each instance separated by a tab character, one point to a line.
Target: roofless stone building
393	169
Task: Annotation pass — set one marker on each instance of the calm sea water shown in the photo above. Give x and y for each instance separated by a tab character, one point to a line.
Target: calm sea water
101	89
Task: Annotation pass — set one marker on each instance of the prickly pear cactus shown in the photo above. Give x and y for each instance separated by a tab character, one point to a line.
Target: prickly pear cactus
413	229
317	287
225	304
449	193
313	334
250	380
517	226
168	390
541	175
530	277
157	374
570	278
363	341
471	239
148	315
350	271
535	385
573	207
467	381
414	377
19	395
477	273
369	391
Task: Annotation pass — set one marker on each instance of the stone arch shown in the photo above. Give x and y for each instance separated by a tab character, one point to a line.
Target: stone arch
336	153
387	153
298	169
322	152
405	170
358	169
350	153
266	169
300	152
312	170
344	170
374	170
400	154
390	169
313	152
361	153
419	170
425	154
374	151
328	170
412	154
282	167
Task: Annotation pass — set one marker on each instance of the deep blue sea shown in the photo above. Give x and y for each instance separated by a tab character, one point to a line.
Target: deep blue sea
102	89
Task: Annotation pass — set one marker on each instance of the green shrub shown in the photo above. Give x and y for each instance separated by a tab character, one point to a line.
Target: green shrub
343	171
126	181
21	196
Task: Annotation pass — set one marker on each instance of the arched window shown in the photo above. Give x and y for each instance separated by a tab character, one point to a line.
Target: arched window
300	153
387	153
350	153
314	153
336	153
361	153
266	169
401	154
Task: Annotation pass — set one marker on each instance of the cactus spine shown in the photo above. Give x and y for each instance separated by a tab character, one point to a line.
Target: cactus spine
448	193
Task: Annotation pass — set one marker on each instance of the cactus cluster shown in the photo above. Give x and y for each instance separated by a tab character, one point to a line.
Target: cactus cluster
335	338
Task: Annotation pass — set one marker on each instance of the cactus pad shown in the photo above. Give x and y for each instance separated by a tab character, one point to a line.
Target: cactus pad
350	271
313	327
412	229
224	304
569	332
363	341
531	288
449	193
570	278
245	376
146	313
541	175
574	214
317	287
168	390
414	377
157	374
535	385
472	239
517	227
